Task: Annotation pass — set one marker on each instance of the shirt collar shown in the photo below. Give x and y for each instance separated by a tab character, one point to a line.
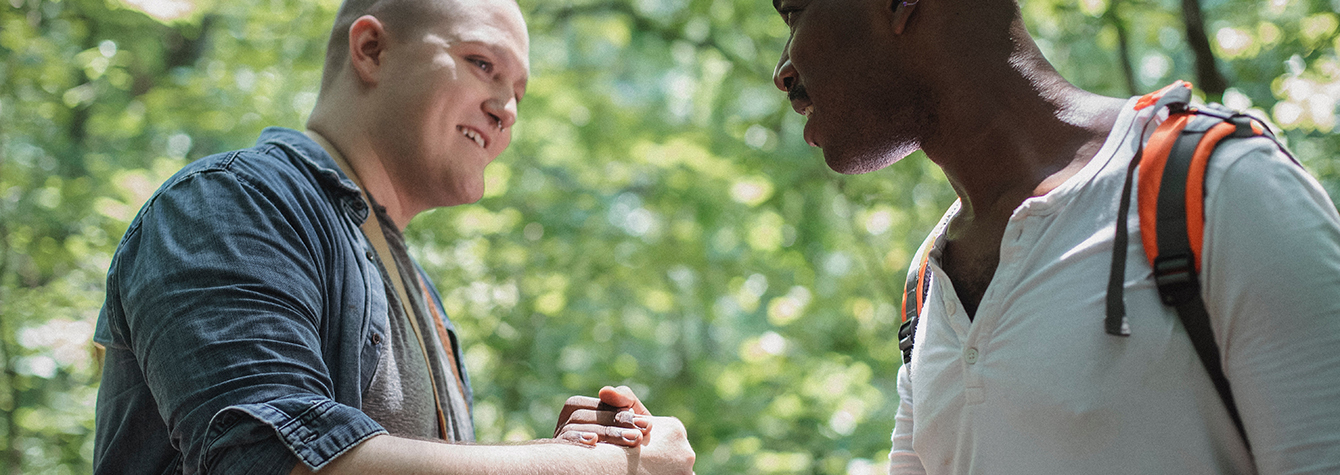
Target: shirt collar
316	156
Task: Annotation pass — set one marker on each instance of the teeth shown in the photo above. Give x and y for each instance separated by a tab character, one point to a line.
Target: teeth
472	135
807	110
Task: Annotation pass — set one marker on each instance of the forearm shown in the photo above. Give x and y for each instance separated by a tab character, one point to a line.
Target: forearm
394	455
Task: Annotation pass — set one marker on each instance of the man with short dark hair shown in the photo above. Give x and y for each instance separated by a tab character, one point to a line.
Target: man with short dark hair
1012	370
264	316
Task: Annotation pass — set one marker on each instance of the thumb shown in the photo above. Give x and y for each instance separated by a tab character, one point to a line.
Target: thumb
623	397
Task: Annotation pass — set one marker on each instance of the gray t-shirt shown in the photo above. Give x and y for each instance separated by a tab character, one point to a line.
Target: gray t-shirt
401	396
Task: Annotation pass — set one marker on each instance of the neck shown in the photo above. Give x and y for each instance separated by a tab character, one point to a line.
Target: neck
347	141
1015	132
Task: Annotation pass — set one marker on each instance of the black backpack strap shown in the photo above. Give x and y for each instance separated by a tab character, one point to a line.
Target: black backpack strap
1176	97
1176	267
1171	199
918	284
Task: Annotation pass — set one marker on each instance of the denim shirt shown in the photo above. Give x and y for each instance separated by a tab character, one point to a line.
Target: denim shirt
244	319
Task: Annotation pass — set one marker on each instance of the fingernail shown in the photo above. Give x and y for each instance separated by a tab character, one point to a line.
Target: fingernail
588	437
641	422
624	417
631	435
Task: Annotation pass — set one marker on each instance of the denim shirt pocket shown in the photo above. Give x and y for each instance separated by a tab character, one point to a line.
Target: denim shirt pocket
373	306
376	327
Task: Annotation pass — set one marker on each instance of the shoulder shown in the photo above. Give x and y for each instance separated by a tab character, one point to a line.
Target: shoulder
1264	213
266	172
264	186
1258	169
265	166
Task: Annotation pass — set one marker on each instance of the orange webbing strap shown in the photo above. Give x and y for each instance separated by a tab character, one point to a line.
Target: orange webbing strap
914	292
1156	153
916	278
924	279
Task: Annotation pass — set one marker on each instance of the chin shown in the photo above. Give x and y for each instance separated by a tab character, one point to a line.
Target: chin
467	198
473	194
857	160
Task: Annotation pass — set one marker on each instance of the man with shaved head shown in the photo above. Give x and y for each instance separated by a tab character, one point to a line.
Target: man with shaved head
264	316
1021	360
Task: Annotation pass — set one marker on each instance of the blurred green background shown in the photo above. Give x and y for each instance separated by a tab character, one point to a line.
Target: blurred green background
658	221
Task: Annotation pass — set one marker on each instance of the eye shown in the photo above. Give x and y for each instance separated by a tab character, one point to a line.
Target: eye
483	65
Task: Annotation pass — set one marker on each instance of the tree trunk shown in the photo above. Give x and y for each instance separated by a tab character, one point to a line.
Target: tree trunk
1123	48
1207	74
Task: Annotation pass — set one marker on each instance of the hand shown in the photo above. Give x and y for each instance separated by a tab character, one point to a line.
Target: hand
667	452
617	417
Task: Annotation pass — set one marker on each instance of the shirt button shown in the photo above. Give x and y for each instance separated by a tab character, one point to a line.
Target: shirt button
376	338
950	307
368	254
970	355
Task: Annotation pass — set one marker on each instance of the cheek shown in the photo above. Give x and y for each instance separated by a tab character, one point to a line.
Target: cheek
811	54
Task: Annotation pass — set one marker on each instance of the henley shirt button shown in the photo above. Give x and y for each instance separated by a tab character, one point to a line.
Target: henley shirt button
970	355
950	307
368	254
376	338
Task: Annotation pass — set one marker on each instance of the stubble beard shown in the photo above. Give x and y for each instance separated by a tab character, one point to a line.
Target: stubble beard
865	159
891	129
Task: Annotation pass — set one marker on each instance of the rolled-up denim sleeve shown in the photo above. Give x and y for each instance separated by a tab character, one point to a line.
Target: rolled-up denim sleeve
315	429
224	297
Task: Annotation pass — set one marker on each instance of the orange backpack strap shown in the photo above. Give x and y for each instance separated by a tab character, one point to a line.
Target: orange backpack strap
918	283
1172	165
914	297
1172	179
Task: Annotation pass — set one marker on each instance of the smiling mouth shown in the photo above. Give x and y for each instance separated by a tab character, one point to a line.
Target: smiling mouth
800	100
472	134
807	110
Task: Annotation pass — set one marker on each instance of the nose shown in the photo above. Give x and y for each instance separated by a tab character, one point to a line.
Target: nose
503	111
785	74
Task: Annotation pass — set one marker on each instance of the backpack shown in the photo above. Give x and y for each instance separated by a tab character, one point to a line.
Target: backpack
1172	222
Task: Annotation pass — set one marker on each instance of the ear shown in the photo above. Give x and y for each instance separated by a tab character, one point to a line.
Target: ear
367	42
902	11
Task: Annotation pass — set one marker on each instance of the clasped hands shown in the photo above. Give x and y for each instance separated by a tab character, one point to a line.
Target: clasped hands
617	417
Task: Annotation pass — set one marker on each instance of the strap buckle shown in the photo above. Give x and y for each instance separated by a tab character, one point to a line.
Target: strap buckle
905	335
1176	278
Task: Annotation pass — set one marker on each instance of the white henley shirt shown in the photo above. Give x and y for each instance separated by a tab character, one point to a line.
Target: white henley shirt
1033	384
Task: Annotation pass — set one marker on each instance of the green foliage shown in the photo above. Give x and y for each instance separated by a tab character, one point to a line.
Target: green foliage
658	221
